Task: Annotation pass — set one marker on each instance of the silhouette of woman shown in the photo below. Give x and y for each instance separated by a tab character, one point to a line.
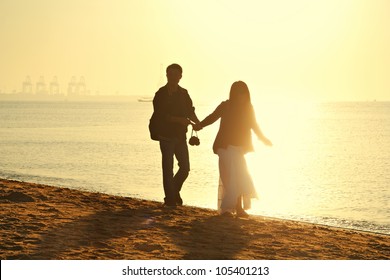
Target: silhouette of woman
232	142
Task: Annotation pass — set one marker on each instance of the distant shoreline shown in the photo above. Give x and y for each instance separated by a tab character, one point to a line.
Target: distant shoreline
19	97
64	98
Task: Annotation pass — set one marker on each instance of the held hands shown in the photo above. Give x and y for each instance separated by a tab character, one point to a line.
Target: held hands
197	126
186	122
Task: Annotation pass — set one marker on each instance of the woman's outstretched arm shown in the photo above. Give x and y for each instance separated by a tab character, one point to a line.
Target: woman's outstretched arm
256	129
260	135
210	119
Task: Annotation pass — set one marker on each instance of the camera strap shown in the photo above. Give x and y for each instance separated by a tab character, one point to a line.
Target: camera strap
194	131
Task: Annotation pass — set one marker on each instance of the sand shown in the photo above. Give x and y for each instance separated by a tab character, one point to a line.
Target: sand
44	222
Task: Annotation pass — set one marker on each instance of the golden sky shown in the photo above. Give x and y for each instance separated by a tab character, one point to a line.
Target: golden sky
300	50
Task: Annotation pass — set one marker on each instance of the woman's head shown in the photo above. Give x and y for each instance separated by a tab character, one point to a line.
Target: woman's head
239	93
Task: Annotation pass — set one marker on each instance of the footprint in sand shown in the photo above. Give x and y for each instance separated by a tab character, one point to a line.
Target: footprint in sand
17	197
147	247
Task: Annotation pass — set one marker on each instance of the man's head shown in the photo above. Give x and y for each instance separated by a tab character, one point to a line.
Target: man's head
174	73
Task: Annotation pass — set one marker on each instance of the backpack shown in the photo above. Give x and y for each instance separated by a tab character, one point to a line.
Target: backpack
155	127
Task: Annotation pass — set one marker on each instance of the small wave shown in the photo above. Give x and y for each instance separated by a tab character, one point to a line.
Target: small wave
361	225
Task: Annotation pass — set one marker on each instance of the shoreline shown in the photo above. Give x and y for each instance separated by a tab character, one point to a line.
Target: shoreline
278	218
46	222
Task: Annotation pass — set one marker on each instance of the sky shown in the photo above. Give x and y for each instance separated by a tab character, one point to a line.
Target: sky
284	50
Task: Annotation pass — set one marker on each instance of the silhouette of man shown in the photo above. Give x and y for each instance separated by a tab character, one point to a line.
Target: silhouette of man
173	107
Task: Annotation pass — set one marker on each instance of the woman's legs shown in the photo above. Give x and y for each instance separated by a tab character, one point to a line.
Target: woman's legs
227	175
240	212
237	184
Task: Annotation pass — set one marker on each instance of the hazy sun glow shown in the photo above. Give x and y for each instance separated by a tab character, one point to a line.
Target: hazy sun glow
303	49
271	168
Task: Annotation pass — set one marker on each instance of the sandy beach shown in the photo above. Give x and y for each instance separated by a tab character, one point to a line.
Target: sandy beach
45	222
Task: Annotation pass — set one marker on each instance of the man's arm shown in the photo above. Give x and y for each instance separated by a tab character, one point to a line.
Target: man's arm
192	115
180	120
194	118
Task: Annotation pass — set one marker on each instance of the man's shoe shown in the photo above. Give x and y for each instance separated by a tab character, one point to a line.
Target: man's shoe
179	200
169	205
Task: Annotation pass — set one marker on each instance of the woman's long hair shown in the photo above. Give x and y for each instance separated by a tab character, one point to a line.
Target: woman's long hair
239	90
240	109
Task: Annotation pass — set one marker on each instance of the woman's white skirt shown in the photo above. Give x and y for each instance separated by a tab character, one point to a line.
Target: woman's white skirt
234	180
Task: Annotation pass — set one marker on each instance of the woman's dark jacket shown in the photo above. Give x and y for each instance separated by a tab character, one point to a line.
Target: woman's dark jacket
235	127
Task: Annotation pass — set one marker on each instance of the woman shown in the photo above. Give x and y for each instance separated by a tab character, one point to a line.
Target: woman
233	141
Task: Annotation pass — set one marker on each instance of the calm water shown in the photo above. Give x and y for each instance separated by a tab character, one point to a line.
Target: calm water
330	163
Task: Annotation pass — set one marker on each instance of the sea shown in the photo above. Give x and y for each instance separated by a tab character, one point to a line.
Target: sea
329	163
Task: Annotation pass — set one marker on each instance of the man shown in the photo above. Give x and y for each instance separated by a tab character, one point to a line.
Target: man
173	107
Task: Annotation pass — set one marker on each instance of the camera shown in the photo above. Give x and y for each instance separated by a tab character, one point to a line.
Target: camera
194	141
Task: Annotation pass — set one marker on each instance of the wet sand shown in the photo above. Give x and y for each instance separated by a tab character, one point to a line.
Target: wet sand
45	222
